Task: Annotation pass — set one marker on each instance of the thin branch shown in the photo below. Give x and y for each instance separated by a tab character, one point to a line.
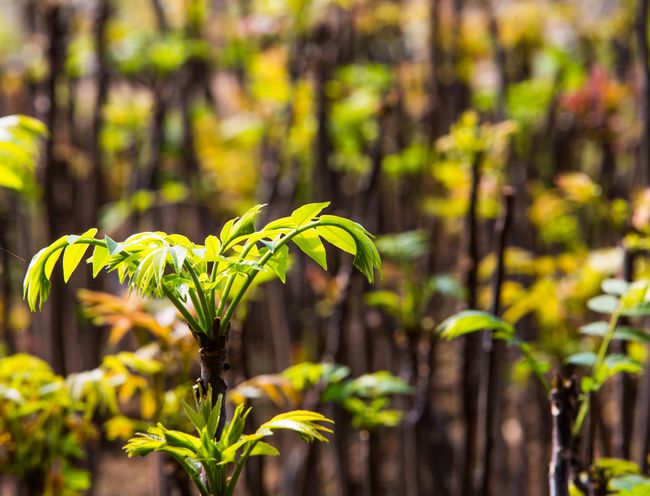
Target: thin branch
492	351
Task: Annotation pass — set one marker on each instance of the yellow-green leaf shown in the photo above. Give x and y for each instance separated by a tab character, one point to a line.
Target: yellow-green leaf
307	212
339	238
75	252
309	242
99	259
212	246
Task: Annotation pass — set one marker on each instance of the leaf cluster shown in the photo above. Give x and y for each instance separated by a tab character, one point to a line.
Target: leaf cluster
43	425
215	466
366	397
156	264
19	139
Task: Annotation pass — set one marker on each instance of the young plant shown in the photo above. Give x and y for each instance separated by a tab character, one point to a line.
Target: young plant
208	461
206	283
571	404
44	425
469	321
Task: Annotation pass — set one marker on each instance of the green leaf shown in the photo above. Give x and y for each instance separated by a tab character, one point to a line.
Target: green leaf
305	423
10	179
307	212
309	242
623	333
213	419
404	246
626	333
630	485
241	226
376	385
338	237
99	259
282	223
75	251
225	231
50	263
231	438
265	449
278	262
306	374
606	304
470	321
635	298
582	358
386	300
599	328
113	247
178	254
617	362
212	247
182	440
367	257
616	287
616	466
18	150
195	418
151	267
640	310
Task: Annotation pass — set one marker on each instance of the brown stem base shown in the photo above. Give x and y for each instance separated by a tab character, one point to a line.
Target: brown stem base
213	354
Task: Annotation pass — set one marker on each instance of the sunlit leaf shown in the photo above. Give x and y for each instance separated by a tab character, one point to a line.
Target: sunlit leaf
306	213
583	359
338	237
74	253
309	242
606	304
470	321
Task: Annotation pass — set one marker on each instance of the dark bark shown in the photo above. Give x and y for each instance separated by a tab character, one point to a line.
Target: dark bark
102	81
161	17
622	383
7	287
213	353
641	424
33	484
641	28
492	355
322	174
432	119
56	181
471	344
563	398
500	61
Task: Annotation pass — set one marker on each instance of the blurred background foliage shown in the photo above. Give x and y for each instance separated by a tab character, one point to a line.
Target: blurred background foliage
412	117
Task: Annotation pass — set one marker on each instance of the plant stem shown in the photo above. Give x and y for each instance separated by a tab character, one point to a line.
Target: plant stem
206	310
199	310
238	469
224	295
194	325
265	258
231	279
523	347
600	358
